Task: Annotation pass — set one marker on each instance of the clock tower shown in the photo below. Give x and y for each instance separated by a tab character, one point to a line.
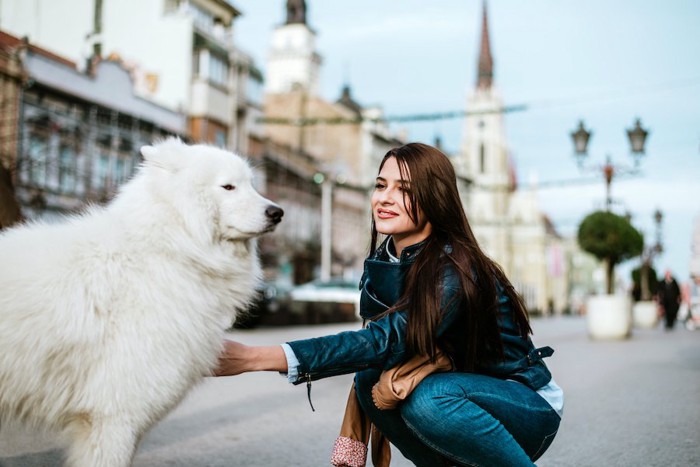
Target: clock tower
293	63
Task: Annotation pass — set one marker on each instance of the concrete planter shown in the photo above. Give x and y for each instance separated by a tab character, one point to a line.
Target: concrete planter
609	317
645	315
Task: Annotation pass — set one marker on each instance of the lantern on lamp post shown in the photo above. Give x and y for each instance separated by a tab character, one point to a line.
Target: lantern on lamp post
637	138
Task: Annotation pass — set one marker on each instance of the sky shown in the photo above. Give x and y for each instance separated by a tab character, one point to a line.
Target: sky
607	62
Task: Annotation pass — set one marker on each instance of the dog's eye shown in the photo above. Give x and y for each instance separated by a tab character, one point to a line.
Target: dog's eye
228	187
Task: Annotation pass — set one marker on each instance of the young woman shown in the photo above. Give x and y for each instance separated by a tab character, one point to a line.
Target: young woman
429	287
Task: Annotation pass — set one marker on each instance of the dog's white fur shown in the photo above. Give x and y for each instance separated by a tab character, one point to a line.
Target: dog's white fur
109	318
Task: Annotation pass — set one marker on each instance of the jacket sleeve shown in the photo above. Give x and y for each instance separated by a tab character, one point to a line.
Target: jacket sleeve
381	344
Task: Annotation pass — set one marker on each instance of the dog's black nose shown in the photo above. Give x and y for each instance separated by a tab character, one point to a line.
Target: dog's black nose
274	213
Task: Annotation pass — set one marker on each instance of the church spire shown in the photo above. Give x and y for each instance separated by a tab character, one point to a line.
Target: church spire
485	76
296	12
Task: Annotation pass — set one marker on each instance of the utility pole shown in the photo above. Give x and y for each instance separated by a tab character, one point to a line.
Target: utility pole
97	30
326	222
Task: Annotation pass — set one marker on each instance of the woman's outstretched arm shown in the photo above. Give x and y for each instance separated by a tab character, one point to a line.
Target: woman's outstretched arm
237	358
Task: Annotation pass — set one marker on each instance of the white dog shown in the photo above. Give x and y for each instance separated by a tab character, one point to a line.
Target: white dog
109	318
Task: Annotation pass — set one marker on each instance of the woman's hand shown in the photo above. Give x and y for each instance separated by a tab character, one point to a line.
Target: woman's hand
233	359
237	358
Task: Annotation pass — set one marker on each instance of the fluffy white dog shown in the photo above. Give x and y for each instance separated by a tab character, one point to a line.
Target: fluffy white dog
109	318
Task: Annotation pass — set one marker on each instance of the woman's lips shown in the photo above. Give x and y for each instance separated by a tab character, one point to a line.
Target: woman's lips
384	214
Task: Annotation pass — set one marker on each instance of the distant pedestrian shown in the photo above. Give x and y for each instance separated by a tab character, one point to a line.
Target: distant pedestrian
669	294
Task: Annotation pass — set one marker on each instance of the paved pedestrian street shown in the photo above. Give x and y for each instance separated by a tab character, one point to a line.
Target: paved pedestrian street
628	403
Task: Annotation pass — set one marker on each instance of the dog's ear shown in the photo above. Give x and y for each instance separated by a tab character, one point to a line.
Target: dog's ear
148	152
166	154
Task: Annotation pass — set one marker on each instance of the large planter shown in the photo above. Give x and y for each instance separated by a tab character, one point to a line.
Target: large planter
609	317
645	314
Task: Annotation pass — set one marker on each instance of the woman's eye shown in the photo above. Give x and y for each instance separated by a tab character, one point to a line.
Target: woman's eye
378	186
228	187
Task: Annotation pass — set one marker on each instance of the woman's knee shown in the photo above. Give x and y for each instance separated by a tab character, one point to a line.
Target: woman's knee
422	403
438	395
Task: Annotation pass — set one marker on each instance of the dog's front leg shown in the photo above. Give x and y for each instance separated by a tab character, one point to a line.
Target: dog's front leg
101	444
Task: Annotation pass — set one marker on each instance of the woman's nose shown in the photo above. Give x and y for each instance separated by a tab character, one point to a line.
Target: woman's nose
385	196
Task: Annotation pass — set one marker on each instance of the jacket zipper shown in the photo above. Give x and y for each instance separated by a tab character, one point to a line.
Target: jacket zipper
308	390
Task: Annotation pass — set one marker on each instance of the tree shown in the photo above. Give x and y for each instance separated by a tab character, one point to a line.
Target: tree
611	239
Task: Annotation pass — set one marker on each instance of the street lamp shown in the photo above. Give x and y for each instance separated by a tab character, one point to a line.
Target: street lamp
637	137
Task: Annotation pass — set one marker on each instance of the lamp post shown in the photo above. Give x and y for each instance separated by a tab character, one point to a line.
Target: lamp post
637	136
648	255
658	218
326	182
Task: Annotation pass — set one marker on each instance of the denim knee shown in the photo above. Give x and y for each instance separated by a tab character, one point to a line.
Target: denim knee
421	405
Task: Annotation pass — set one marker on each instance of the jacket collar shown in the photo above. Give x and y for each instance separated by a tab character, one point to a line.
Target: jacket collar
407	255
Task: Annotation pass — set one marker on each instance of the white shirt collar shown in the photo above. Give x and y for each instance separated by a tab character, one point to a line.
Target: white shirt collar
389	246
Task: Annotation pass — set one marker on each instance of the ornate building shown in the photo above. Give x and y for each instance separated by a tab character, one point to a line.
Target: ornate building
337	134
507	220
293	60
180	54
74	136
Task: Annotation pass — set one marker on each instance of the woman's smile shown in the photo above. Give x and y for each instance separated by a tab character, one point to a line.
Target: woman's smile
386	214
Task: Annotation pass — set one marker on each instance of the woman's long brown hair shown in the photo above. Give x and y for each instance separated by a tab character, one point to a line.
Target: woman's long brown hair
433	193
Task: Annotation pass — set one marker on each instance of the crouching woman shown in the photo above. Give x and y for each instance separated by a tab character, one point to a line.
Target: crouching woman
428	290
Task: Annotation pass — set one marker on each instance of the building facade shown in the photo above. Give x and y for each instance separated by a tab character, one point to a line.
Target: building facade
199	73
76	135
507	220
13	78
346	140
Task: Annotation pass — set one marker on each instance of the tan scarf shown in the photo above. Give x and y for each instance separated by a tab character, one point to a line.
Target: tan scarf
394	385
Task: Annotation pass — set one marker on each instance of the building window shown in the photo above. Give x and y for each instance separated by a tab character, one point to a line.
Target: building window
66	169
203	19
197	63
218	70
37	156
212	67
122	171
220	138
101	171
254	88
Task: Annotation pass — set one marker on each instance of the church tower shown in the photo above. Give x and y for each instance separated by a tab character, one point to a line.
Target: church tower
507	221
484	157
293	63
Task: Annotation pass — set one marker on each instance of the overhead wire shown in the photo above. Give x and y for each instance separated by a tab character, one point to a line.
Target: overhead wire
612	95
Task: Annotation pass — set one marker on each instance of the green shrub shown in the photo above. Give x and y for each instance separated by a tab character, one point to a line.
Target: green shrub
611	239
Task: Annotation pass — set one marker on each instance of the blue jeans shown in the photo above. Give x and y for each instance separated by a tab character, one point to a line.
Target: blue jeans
464	419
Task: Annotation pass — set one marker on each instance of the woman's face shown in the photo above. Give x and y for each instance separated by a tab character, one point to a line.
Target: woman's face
390	208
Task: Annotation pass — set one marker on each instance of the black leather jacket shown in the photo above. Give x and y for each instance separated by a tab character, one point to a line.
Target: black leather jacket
381	344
